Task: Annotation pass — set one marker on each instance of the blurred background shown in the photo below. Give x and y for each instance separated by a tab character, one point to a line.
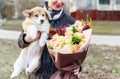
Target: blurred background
107	12
103	60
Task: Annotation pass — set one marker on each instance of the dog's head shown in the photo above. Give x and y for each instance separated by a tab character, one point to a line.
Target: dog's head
36	15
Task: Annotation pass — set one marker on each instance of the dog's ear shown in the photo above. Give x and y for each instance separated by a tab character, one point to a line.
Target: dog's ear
46	15
26	13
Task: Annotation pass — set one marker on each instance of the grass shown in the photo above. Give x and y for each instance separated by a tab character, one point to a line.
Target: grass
99	27
106	27
12	25
102	62
9	52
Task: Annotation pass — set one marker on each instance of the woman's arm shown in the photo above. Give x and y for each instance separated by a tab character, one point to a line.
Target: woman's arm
24	39
21	41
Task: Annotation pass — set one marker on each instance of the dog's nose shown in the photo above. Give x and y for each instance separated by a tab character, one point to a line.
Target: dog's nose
41	21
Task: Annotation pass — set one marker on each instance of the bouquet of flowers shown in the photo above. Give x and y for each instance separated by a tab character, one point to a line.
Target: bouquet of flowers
68	46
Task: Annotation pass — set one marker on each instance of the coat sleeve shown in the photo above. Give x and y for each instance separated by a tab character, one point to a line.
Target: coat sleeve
21	42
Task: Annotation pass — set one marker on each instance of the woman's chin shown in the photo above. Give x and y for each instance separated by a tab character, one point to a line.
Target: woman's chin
57	9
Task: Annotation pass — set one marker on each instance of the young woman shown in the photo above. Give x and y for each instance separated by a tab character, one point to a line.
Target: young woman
57	17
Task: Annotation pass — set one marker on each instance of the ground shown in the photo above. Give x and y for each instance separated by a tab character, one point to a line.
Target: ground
102	62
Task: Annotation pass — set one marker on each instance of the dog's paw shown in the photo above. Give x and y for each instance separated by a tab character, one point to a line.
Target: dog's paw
41	43
33	35
32	30
12	78
14	75
28	71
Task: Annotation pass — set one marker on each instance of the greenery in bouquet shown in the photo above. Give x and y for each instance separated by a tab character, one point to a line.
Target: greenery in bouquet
68	39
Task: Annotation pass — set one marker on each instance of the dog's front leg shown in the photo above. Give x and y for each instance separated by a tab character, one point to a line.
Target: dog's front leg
32	30
43	39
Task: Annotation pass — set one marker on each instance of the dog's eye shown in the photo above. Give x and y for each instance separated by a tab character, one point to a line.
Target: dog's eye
36	15
42	14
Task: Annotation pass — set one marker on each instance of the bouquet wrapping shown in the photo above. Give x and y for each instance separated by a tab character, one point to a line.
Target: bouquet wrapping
68	47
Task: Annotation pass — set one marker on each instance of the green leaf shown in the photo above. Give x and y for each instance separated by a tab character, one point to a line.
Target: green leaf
50	47
74	29
76	40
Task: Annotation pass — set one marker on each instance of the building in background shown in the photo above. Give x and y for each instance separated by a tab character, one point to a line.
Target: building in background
97	9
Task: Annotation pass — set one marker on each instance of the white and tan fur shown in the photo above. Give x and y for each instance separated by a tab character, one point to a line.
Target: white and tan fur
29	59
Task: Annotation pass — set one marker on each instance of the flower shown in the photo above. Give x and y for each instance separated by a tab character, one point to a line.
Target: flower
69	39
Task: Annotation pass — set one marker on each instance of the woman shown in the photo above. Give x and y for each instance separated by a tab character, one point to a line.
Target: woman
57	17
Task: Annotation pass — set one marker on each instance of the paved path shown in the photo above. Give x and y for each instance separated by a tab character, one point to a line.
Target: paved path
105	40
5	34
96	39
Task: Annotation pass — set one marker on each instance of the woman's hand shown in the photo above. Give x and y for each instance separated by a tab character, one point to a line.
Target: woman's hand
76	72
29	39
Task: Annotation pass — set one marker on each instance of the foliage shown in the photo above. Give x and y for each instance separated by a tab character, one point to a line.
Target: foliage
8	7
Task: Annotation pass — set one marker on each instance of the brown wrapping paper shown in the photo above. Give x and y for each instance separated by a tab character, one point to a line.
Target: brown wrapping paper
64	60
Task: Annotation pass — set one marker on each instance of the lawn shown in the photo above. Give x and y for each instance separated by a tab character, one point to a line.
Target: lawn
106	27
102	62
99	27
12	25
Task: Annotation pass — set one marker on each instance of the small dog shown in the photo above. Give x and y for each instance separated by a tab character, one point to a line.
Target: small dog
29	59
